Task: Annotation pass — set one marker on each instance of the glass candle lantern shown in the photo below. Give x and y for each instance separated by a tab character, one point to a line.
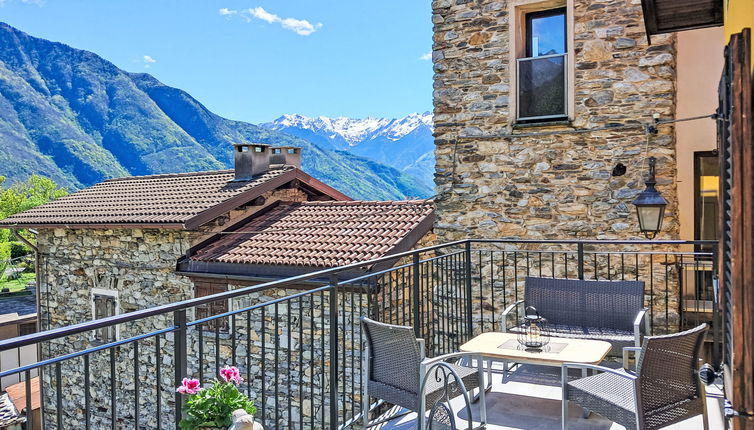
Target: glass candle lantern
534	331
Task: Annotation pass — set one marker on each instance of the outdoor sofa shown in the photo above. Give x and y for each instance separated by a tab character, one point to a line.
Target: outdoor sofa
611	311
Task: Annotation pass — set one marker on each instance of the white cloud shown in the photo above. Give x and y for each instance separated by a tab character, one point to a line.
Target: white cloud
226	12
301	27
259	12
148	60
426	57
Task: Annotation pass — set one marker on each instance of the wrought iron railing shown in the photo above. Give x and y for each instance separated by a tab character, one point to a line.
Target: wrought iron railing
299	347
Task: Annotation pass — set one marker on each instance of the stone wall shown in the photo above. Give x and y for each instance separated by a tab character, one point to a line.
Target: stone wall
139	264
282	349
499	179
559	185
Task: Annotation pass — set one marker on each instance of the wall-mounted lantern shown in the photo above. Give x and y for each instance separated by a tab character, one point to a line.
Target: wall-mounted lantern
650	205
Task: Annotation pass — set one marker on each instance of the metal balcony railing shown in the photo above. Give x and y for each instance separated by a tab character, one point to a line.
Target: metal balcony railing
299	350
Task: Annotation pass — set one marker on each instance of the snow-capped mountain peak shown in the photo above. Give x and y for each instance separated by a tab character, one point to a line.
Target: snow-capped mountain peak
354	131
404	143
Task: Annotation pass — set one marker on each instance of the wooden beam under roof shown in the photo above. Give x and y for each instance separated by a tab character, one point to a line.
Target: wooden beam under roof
668	16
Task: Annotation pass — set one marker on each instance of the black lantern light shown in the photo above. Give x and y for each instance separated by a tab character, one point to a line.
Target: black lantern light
534	333
650	205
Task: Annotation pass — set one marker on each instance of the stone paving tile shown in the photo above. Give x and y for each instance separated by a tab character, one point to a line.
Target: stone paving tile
530	400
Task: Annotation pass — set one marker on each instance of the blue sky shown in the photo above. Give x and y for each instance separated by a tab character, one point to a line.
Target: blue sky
255	60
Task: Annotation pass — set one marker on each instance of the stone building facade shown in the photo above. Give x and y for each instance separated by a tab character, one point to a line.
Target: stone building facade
504	173
499	177
121	246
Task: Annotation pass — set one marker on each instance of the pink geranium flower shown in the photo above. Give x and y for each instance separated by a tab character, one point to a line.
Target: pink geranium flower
231	373
189	386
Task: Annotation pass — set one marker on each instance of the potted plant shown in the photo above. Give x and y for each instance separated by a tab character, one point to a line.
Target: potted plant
213	407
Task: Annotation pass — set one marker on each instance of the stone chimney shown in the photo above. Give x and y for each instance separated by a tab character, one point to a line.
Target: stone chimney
286	155
292	156
251	159
276	156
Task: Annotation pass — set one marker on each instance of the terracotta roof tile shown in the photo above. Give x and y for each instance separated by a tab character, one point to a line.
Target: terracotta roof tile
17	394
155	199
319	234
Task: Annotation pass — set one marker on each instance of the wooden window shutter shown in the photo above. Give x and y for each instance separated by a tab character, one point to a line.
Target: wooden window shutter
737	229
203	289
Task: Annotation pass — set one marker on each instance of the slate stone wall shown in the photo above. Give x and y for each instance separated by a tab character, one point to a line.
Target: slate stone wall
496	178
283	349
559	185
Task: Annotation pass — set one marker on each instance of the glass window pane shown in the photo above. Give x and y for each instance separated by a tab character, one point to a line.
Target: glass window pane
708	184
650	218
546	33
541	87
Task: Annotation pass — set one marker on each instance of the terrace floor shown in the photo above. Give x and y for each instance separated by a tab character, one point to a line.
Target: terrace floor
530	399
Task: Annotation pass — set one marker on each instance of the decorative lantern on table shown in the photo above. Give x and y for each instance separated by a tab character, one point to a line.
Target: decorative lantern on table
534	333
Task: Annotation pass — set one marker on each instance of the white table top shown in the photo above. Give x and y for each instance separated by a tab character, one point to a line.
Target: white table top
570	350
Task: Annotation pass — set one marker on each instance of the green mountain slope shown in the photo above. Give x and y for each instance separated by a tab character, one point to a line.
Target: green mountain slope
72	116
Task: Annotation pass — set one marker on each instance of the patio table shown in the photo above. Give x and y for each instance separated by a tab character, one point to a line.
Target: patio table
504	347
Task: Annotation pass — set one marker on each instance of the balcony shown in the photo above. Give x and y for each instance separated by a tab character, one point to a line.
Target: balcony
300	350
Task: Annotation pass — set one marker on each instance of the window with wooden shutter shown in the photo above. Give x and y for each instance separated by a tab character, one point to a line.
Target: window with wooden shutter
27	328
217	307
105	305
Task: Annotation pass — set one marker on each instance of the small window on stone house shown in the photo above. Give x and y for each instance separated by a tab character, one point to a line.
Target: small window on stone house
105	304
542	79
217	307
27	328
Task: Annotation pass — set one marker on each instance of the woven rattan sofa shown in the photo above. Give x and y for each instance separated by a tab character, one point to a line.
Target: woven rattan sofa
612	311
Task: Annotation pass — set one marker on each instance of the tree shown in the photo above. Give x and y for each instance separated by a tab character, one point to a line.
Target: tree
35	191
22	196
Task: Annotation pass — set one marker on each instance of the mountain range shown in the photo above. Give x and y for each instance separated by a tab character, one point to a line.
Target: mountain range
404	143
76	118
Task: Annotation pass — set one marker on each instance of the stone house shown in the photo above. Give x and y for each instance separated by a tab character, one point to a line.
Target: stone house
138	242
536	102
115	247
545	114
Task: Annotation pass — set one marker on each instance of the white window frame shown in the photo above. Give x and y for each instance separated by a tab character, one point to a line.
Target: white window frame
109	293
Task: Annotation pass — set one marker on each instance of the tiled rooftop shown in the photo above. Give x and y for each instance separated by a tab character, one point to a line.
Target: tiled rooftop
17	394
322	234
155	199
20	305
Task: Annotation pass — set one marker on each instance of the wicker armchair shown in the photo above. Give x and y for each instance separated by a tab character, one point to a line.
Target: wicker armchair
396	371
664	389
